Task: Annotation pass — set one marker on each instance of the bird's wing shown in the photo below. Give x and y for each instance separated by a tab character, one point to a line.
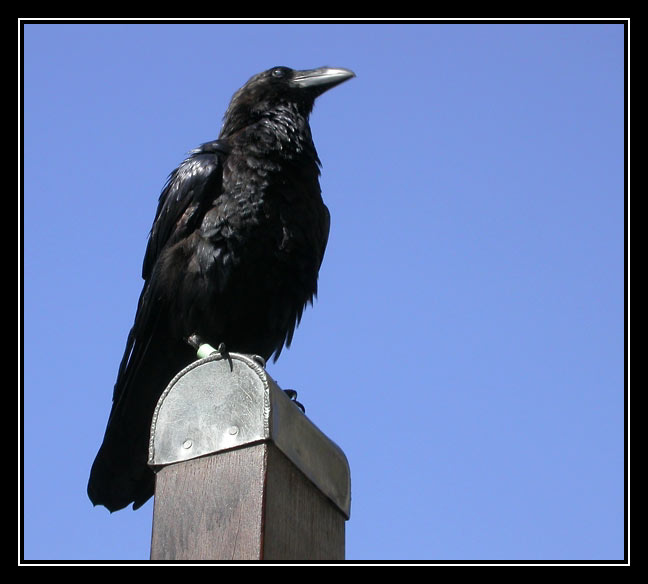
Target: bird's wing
182	198
190	189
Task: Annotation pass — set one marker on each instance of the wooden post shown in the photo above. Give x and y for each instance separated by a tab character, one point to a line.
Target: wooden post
242	473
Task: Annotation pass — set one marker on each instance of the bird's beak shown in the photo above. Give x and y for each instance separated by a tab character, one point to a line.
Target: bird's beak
321	79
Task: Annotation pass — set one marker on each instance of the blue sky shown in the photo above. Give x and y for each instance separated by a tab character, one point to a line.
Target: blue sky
466	350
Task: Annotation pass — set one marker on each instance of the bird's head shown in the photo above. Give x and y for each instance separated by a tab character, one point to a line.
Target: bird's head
281	86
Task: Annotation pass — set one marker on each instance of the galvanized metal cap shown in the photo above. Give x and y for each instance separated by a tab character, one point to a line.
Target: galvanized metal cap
217	403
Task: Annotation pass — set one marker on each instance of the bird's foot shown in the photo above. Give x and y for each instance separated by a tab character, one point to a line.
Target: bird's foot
195	341
204	349
292	394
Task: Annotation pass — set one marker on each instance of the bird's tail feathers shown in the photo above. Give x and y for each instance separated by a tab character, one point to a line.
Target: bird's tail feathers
120	474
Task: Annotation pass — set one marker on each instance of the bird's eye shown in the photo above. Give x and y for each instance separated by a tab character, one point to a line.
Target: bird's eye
278	73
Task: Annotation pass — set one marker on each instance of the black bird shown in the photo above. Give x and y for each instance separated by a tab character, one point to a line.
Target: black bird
233	257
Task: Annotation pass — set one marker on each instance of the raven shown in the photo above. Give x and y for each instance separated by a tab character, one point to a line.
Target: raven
233	257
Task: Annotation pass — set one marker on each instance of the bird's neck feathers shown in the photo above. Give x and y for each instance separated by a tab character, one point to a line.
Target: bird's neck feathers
282	129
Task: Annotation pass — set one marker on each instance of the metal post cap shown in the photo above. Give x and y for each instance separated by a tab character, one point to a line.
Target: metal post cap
219	403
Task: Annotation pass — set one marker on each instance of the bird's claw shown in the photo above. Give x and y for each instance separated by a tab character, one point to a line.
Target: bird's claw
260	360
204	350
292	394
222	349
